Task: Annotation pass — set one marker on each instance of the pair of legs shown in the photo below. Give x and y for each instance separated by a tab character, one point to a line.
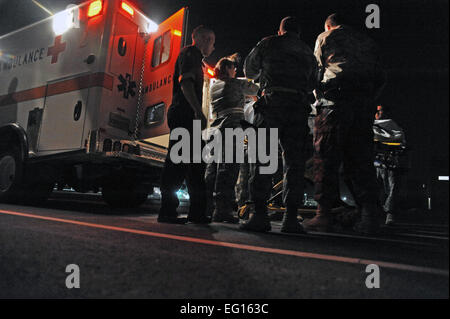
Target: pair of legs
289	115
343	135
389	180
174	174
172	179
220	181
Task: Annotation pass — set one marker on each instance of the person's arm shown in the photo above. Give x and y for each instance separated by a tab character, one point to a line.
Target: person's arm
318	54
189	65
313	81
253	62
248	87
187	87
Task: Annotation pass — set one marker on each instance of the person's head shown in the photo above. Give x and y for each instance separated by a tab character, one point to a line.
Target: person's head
204	39
289	24
225	68
383	112
333	21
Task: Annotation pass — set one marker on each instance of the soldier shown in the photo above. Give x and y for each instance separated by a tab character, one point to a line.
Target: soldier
187	107
286	69
227	100
351	79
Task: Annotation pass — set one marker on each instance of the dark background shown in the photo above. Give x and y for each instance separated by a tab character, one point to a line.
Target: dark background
413	37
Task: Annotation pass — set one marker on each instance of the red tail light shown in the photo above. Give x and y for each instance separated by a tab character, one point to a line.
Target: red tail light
95	8
127	8
210	72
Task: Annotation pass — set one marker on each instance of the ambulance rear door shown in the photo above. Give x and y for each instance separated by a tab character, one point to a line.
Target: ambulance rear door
163	49
118	108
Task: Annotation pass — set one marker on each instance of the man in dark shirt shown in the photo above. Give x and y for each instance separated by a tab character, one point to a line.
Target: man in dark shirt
187	107
287	72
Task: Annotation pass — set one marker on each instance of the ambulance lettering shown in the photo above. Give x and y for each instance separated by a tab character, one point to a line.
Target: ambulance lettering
12	62
9	62
158	84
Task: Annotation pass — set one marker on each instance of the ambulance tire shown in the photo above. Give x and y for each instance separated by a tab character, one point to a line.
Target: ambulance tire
11	174
123	197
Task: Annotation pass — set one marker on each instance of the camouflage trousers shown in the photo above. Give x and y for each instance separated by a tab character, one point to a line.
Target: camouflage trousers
220	180
343	135
289	114
242	187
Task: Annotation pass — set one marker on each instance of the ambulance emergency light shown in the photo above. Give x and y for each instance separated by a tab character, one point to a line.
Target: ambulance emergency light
63	21
151	26
127	8
69	18
95	8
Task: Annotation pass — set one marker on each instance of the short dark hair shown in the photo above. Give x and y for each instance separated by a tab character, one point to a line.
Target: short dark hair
201	31
334	20
290	24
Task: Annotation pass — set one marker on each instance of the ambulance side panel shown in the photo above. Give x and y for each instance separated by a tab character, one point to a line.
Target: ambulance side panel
46	79
71	104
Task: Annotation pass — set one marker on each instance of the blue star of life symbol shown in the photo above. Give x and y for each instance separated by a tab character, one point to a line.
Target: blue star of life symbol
127	86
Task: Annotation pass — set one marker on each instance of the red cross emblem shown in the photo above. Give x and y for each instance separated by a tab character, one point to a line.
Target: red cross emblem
56	49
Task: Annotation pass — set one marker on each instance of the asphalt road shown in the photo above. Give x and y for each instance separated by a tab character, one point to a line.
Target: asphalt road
127	254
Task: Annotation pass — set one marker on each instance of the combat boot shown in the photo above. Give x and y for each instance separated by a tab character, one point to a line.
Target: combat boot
321	222
291	224
223	213
369	224
257	222
171	219
222	217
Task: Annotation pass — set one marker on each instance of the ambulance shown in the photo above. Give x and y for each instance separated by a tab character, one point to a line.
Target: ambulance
83	101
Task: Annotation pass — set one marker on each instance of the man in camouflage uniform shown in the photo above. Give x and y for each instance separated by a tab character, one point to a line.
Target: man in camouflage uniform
286	69
351	79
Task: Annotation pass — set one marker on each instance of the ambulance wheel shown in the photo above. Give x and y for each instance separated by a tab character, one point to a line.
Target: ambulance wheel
123	197
11	172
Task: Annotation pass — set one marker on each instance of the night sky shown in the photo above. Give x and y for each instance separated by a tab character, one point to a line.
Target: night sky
413	37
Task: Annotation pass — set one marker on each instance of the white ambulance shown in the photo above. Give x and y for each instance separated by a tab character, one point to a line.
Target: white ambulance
83	102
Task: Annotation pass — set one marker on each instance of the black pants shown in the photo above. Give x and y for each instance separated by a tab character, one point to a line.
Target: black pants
343	135
289	114
389	181
173	174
